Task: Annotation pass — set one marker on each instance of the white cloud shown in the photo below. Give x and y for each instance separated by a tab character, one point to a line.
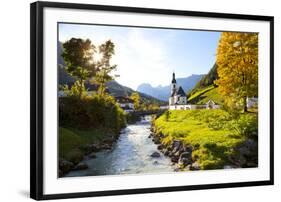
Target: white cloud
141	59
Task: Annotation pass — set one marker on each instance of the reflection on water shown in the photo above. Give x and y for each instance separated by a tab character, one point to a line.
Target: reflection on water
130	154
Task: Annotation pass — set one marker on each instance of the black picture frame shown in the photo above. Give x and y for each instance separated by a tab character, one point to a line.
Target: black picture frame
37	101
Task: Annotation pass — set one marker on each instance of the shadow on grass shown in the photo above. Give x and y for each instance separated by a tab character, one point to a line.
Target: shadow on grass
218	155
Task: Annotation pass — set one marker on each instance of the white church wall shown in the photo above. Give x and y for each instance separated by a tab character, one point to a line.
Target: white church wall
192	107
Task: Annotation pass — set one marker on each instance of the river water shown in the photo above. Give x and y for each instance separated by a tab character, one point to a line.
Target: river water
129	155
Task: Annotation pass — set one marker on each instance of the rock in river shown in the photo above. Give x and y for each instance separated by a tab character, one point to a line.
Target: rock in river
185	158
80	166
155	154
65	166
195	166
92	155
186	155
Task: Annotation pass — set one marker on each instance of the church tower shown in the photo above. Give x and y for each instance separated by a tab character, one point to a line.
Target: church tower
174	84
173	90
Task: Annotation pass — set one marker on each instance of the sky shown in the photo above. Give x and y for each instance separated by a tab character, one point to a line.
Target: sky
150	55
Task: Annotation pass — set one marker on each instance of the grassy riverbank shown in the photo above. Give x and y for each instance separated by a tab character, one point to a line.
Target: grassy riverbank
213	134
73	142
87	125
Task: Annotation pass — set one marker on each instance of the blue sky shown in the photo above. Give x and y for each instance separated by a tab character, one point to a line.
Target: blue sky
148	55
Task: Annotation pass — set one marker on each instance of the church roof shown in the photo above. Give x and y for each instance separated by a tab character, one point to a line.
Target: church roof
179	91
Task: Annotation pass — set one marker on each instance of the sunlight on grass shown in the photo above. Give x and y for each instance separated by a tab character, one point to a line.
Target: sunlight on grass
202	96
210	132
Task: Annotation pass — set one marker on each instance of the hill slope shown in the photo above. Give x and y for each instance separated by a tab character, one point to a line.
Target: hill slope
205	89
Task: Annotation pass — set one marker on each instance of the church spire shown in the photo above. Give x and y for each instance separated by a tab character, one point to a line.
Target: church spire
174	79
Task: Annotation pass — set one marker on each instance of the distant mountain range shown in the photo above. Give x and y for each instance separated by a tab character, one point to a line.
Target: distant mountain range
163	92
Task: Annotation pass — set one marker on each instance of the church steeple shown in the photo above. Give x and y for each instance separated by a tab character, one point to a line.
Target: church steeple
174	85
174	79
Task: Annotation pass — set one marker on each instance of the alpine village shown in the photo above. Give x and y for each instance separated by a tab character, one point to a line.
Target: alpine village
211	124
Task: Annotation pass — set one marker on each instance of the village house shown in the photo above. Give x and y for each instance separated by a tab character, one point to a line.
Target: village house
125	103
252	102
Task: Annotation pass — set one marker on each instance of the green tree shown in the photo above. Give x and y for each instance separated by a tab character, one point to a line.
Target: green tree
237	60
137	100
78	57
104	68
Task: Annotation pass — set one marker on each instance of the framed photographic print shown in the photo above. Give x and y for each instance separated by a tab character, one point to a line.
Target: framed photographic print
131	100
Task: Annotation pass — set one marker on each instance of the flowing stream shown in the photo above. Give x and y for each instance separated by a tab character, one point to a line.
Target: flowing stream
129	155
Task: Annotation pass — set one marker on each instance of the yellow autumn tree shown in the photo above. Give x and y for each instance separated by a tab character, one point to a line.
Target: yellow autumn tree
137	99
237	60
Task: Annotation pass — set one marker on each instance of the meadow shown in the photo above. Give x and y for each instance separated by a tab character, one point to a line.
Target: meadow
213	134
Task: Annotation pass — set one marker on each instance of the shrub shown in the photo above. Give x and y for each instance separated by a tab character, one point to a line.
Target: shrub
246	125
91	112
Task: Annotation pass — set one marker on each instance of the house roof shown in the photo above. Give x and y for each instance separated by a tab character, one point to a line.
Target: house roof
122	99
210	101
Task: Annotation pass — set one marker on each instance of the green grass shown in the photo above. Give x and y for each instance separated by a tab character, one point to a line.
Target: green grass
199	92
212	134
202	96
71	141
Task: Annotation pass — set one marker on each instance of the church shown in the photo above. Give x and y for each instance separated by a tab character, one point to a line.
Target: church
178	99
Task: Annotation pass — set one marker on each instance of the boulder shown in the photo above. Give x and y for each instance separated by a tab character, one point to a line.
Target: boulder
155	162
156	140
95	147
166	152
186	154
239	160
195	166
160	147
174	159
65	166
169	148
155	154
248	148
187	168
92	155
80	166
109	140
177	169
106	146
184	161
177	144
161	135
187	148
177	154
